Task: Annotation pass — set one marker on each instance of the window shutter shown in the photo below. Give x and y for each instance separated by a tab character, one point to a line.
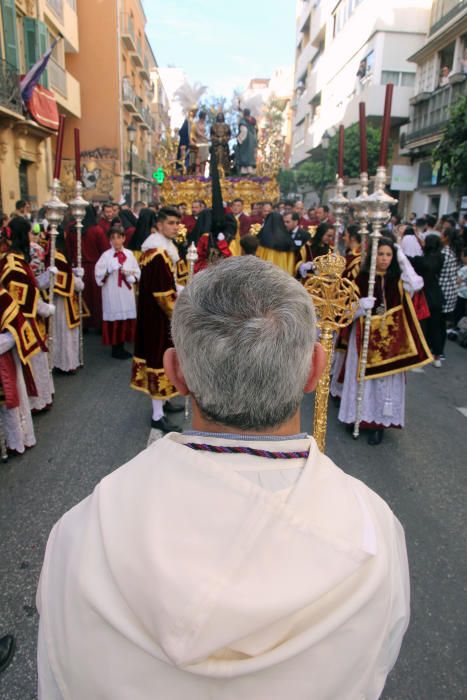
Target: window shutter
9	32
31	41
43	46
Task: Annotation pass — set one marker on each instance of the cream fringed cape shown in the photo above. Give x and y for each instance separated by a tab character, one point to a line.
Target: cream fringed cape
180	579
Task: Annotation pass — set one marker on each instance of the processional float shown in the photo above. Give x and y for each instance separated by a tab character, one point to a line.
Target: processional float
336	298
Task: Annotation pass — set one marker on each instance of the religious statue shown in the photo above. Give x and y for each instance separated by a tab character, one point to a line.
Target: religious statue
188	96
220	137
247	143
199	145
183	152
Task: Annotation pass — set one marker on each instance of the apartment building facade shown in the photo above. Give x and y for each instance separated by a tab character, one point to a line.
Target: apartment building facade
114	70
347	53
441	79
27	29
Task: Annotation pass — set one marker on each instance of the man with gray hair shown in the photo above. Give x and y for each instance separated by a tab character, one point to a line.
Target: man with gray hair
233	561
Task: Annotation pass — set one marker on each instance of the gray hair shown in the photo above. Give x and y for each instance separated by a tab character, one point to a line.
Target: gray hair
244	332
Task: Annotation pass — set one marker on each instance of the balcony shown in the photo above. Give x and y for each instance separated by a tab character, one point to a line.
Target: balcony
138	116
431	115
137	54
148	119
66	89
128	96
62	15
141	168
145	71
57	77
448	10
10	97
127	32
57	8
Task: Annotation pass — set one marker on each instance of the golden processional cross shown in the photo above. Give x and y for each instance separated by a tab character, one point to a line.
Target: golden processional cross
336	300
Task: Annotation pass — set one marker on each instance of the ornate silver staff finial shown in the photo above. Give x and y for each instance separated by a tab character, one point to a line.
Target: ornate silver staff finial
78	209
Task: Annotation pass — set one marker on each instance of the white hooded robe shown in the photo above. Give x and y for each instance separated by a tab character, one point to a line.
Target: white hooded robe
180	578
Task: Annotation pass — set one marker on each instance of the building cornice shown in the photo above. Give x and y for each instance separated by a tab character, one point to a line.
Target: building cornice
456	27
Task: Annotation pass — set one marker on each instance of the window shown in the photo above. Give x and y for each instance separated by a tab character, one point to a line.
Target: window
10	37
397	78
390	76
342	14
370	62
36	43
407	79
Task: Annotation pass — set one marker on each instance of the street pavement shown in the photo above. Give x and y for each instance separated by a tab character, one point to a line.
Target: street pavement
97	423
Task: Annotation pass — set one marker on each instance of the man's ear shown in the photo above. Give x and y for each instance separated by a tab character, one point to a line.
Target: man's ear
318	364
174	371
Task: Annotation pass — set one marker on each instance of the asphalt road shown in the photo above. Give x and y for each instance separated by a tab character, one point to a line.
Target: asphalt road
97	423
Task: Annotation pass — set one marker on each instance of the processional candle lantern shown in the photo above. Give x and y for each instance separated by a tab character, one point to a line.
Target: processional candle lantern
359	203
379	210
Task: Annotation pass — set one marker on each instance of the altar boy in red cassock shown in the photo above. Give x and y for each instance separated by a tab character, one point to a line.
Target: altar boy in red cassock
156	301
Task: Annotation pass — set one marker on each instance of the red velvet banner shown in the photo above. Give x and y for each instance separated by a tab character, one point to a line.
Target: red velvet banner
43	108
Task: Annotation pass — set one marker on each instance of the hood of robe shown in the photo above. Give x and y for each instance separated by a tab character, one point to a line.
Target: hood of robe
202	569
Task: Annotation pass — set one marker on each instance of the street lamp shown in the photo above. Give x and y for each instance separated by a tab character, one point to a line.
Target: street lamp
325	139
131	131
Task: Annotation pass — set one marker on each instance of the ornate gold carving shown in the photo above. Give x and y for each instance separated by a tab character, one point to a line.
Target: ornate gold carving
251	190
335	299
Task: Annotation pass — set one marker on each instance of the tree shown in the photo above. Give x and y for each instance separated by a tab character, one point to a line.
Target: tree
452	149
287	182
319	173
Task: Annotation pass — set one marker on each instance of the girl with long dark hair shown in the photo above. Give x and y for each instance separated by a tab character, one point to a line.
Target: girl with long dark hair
396	344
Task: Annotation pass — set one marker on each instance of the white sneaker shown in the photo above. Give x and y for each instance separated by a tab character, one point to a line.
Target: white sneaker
436	363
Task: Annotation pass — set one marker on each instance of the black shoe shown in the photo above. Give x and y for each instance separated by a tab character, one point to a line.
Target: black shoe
7	649
172	407
165	425
121	354
376	437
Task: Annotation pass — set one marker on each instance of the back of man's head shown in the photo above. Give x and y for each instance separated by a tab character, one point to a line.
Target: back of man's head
244	332
430	221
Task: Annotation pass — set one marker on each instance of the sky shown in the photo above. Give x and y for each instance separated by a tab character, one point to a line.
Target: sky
222	44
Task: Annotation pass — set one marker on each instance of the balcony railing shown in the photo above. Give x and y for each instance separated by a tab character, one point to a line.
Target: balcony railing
140	167
148	118
57	8
449	8
431	116
10	96
128	31
57	77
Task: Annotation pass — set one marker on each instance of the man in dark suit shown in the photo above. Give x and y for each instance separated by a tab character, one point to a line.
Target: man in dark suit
299	235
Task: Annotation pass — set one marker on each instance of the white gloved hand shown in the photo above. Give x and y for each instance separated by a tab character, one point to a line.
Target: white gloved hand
114	265
305	268
78	272
180	288
53	270
220	237
51	309
131	279
367	303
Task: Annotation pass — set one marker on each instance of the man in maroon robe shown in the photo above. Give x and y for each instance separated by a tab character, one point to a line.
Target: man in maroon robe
189	220
156	301
94	242
242	218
